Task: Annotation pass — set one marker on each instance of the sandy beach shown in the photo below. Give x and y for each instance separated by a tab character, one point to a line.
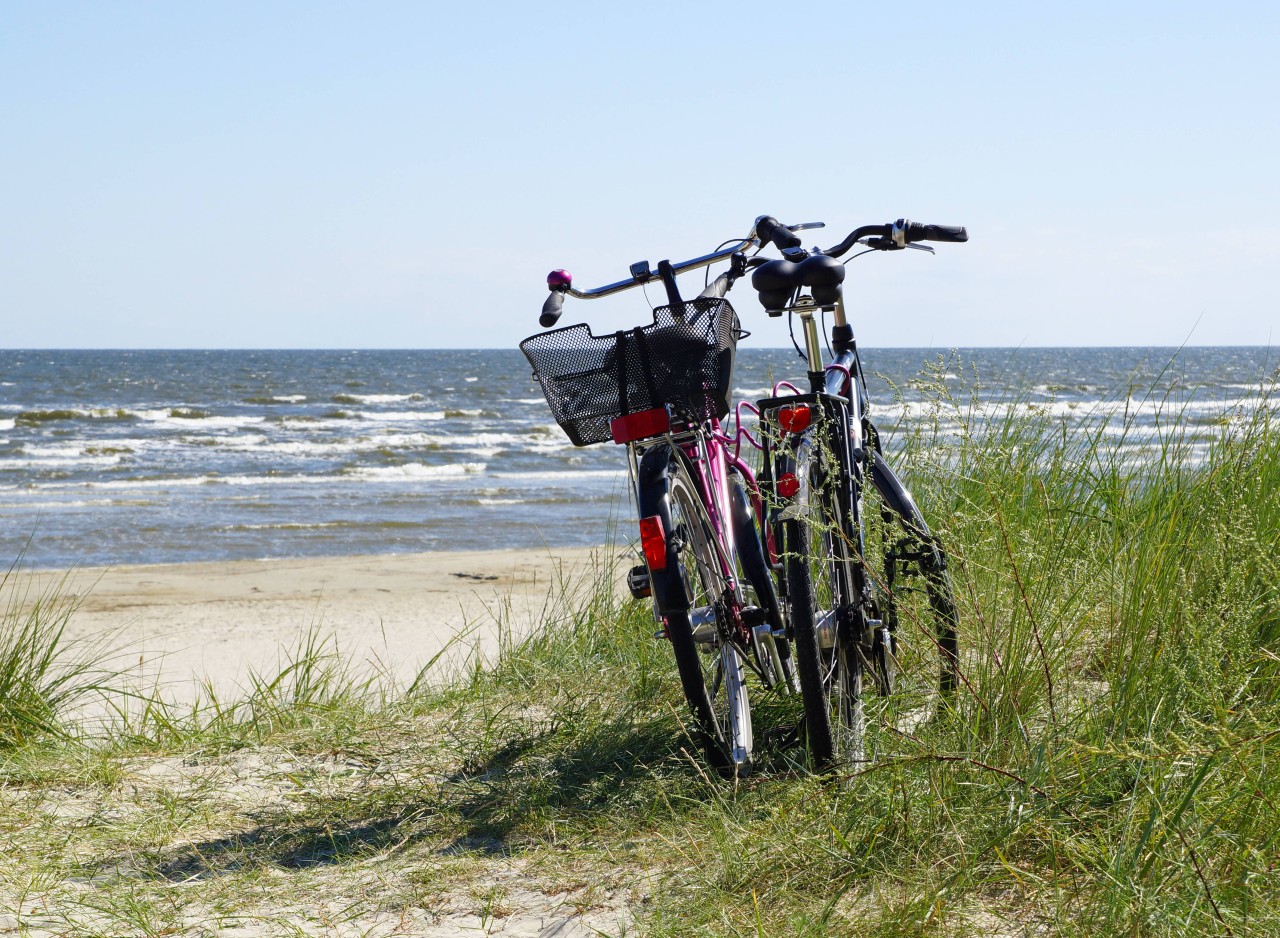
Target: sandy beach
181	624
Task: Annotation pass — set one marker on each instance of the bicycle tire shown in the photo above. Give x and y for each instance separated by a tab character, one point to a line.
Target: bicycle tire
823	589
712	670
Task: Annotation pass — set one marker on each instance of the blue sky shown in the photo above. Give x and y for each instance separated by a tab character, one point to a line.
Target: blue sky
403	175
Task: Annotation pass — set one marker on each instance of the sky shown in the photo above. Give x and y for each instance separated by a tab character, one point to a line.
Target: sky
404	175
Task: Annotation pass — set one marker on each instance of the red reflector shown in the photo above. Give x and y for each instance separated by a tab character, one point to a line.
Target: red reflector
653	540
795	419
788	484
640	425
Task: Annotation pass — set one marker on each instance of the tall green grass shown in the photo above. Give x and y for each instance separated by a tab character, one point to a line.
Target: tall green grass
43	674
1122	617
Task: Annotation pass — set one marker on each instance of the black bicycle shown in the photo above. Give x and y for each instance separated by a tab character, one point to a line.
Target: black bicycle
864	580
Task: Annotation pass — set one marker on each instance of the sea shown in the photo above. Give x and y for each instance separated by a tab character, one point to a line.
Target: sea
126	457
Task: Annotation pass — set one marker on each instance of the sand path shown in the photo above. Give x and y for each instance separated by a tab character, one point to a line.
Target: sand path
395	612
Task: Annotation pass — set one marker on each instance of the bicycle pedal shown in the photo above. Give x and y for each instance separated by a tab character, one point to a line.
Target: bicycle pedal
638	582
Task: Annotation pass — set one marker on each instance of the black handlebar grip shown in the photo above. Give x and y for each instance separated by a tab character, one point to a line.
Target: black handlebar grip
552	307
771	230
558	282
950	233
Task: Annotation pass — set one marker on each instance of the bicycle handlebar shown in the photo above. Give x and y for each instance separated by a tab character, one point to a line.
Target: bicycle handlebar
899	234
766	230
771	231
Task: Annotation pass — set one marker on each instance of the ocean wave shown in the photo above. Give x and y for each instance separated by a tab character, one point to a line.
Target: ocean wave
60	462
362	399
54	506
37	417
289	526
565	475
186	417
1264	386
7	425
414	470
275	399
401	415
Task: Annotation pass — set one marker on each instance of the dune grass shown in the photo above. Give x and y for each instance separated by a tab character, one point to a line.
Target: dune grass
1107	766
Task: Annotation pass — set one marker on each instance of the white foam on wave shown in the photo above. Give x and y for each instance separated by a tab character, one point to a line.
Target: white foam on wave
130	484
1088	409
53	450
166	418
54	506
1268	386
566	475
290	526
380	398
7	425
414	470
61	462
387	416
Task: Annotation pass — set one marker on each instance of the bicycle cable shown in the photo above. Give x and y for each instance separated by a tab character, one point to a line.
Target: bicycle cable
706	276
791	328
860	253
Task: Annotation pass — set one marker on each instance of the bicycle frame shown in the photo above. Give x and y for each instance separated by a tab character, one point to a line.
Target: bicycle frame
711	461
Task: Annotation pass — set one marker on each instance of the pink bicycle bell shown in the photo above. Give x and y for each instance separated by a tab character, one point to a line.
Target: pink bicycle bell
559	280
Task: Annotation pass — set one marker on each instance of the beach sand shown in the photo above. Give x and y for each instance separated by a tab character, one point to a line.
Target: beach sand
188	622
181	624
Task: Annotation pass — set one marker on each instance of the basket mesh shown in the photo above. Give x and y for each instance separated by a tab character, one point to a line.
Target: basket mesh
684	359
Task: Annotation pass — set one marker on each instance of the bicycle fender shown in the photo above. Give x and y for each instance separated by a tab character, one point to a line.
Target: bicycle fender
653	497
895	495
901	503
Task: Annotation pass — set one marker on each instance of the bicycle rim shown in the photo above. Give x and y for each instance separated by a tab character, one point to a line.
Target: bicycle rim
825	620
712	669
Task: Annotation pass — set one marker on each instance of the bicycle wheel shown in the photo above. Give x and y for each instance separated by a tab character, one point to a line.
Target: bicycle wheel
711	666
827	619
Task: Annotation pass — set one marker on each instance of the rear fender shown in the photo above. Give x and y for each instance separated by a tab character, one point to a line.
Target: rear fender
653	497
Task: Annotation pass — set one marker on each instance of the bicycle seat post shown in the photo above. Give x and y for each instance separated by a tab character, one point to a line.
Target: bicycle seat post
813	348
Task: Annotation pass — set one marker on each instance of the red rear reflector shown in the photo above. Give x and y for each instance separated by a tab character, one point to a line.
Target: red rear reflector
788	484
640	425
795	419
653	540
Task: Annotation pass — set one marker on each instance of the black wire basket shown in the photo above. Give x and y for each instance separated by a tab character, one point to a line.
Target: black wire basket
683	360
